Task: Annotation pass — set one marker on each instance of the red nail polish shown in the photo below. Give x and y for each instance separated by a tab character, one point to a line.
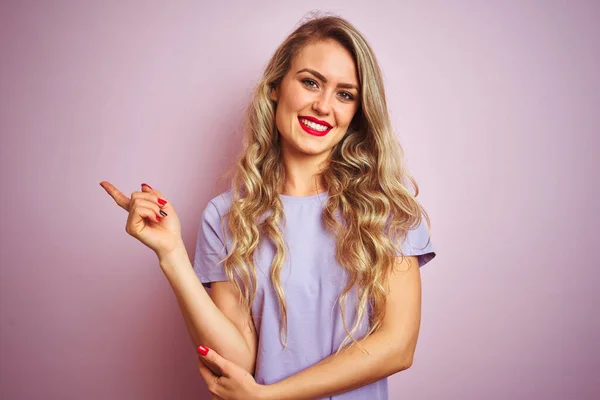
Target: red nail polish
162	202
203	350
145	184
158	218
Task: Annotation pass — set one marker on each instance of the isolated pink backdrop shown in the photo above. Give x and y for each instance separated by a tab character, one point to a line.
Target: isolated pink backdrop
496	103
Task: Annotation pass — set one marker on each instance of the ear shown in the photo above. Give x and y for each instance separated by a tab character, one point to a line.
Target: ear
274	94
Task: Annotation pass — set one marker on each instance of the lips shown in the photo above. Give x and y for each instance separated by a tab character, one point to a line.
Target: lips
314	132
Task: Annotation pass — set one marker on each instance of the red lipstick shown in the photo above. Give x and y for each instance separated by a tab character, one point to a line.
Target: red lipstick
314	132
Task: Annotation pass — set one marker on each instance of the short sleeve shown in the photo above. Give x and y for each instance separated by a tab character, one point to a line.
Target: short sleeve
418	244
210	247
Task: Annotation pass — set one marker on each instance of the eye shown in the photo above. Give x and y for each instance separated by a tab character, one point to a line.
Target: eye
347	96
309	82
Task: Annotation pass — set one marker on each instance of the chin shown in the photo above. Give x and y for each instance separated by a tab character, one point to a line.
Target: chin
306	146
314	151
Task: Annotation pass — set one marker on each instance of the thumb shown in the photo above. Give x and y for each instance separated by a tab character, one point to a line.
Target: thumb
216	363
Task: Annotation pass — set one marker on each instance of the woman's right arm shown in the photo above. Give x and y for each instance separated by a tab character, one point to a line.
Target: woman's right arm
216	321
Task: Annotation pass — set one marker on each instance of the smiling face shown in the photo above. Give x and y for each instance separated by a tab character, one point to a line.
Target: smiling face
316	100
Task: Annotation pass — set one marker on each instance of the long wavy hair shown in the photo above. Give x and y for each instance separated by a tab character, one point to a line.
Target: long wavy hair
370	206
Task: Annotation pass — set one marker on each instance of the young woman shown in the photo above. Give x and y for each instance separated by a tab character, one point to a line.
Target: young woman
313	256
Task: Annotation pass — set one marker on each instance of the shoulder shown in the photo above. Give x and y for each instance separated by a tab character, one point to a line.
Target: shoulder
213	231
418	243
222	202
217	207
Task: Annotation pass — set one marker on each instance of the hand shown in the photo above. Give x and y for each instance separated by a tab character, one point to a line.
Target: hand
145	223
226	380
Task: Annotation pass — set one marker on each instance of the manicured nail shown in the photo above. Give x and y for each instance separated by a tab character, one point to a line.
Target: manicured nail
203	350
164	214
145	184
158	218
162	202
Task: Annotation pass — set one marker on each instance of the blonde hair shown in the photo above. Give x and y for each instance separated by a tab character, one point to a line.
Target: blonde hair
365	180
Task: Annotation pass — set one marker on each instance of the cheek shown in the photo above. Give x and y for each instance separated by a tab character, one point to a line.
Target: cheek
282	118
352	112
289	106
346	117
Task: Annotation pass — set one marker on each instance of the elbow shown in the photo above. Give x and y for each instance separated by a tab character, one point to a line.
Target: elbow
403	360
406	363
405	354
402	363
400	354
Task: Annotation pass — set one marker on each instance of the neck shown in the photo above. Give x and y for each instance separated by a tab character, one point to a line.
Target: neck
303	174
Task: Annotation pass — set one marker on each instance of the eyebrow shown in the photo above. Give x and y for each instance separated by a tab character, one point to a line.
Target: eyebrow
321	77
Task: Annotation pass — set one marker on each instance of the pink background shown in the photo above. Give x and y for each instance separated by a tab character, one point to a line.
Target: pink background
497	105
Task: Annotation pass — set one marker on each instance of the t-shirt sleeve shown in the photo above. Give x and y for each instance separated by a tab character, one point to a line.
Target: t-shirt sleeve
418	244
210	247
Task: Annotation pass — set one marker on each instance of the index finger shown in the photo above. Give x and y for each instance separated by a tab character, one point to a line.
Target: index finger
122	200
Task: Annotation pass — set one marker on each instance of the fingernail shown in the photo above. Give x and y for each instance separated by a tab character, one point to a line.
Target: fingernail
162	202
158	218
203	350
164	214
145	184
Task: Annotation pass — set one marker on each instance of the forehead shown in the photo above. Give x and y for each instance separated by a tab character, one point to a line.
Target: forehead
330	59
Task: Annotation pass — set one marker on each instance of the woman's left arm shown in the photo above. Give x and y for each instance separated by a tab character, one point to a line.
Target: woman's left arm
390	349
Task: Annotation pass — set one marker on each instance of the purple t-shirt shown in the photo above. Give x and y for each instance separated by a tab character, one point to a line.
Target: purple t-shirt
312	281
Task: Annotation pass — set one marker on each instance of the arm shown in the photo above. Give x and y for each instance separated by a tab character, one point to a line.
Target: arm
390	349
216	322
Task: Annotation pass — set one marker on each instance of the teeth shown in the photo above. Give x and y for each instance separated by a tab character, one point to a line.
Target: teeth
314	125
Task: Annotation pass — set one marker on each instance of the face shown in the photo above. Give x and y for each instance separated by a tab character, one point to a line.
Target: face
316	100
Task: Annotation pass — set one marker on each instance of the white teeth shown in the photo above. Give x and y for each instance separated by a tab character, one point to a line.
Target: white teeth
314	125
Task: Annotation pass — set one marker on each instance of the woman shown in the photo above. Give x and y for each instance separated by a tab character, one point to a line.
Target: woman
313	256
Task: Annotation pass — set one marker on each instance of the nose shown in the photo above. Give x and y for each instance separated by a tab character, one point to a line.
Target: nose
322	104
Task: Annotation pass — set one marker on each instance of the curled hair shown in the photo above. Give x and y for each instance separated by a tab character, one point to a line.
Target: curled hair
372	199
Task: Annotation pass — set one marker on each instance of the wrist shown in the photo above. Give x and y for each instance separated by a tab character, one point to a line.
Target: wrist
268	392
172	258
